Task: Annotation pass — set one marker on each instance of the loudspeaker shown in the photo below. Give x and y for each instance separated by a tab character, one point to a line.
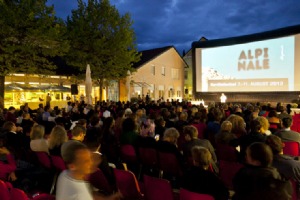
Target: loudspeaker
74	89
186	91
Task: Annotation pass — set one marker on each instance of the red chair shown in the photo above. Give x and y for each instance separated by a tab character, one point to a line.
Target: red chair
226	152
4	192
228	170
291	148
148	156
99	181
295	189
44	159
168	164
58	163
128	185
157	189
17	194
43	196
128	153
187	195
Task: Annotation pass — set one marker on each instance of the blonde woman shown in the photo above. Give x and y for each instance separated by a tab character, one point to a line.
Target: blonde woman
38	142
58	136
238	125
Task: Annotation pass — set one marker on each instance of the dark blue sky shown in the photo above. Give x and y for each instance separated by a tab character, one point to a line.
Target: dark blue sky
159	23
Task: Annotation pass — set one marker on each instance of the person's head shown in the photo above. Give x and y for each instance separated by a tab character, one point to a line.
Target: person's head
226	126
259	154
159	121
275	143
37	132
287	122
58	136
183	116
238	123
272	113
255	126
11	109
190	132
201	157
78	132
82	122
94	120
171	135
9	126
265	125
128	125
147	128
78	159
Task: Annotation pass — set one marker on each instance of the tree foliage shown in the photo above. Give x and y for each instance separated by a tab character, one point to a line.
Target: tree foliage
103	38
30	35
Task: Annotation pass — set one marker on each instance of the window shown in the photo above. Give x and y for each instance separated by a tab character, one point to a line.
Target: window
186	75
163	71
175	73
153	69
178	93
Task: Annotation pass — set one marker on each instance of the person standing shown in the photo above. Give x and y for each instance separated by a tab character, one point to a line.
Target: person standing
48	99
223	98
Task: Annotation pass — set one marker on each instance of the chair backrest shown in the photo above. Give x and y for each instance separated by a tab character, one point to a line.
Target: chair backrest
4	193
295	189
128	153
291	148
43	196
58	163
43	159
127	184
187	195
169	164
17	194
228	170
226	152
99	181
157	189
148	156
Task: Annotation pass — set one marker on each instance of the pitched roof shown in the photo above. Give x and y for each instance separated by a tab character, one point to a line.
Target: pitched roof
150	54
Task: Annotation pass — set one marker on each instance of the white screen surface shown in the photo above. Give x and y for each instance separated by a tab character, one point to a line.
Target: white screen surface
268	65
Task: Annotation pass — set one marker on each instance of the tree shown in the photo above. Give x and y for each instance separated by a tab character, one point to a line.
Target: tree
101	37
30	35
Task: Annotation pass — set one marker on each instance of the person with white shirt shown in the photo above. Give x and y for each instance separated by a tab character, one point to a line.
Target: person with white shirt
71	184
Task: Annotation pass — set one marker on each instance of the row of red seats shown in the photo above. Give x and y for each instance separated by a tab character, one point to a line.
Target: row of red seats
154	188
8	192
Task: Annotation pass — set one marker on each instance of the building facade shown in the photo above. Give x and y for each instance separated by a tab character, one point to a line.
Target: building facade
159	74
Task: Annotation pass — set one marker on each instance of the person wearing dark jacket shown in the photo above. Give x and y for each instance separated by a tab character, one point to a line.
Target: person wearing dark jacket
258	179
287	166
200	180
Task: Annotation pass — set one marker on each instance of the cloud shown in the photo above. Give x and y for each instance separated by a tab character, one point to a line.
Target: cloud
160	23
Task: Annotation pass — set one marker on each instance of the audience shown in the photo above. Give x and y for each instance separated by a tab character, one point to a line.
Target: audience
180	126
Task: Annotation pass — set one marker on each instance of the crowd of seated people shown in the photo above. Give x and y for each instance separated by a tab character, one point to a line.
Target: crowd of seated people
190	132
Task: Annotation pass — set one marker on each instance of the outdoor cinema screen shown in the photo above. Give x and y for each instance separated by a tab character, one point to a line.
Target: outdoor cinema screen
268	65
